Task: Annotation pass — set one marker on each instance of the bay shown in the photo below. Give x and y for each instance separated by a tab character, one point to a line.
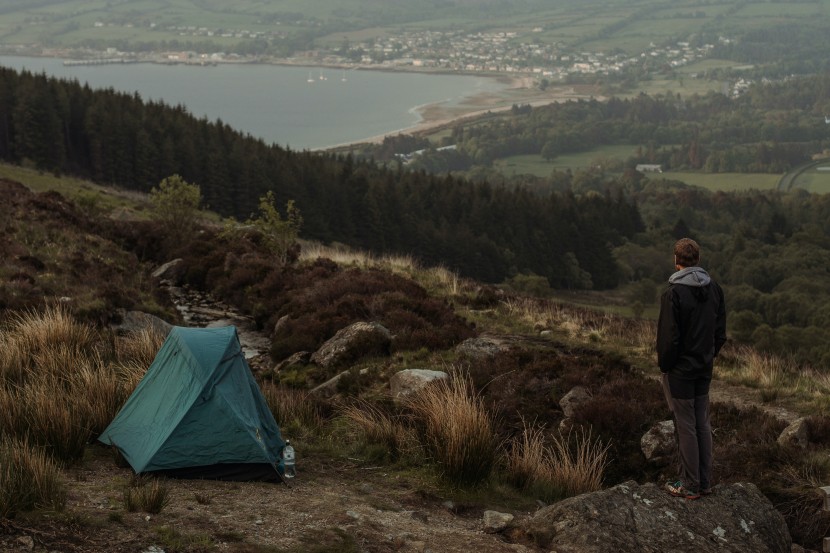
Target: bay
297	107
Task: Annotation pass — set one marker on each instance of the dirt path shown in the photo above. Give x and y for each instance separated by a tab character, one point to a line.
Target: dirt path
743	397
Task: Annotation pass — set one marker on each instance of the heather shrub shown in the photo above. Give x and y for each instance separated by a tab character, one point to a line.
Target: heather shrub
521	383
620	412
818	427
745	441
795	490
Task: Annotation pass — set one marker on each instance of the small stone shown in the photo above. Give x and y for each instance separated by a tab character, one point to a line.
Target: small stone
495	521
27	542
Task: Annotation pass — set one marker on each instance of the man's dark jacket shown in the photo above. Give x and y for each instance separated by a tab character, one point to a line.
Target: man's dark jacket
692	324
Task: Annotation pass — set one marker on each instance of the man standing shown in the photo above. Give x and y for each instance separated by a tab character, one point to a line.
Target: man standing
690	332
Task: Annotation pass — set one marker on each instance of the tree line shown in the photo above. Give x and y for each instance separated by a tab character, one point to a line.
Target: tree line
483	231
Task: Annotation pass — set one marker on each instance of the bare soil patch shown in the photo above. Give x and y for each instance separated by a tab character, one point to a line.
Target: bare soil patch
338	504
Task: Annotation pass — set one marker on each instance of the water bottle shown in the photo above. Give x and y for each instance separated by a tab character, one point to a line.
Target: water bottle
288	460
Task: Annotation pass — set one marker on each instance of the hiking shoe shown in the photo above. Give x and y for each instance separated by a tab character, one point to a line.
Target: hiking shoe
677	489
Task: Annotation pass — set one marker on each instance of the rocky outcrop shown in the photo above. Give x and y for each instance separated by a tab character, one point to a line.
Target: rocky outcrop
484	346
404	384
630	517
353	342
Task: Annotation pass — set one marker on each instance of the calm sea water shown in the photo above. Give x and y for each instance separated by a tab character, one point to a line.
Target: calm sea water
292	106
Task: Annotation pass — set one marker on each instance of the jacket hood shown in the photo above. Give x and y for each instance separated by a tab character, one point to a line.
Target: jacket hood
691	276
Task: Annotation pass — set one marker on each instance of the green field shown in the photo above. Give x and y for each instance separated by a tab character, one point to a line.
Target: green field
538	166
815	180
727	181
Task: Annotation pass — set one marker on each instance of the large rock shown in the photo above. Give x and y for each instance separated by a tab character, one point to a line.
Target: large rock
405	383
630	517
136	321
170	270
353	342
573	399
796	434
659	443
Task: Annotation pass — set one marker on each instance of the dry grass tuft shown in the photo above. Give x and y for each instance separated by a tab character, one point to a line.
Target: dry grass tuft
577	464
28	480
527	460
53	328
378	427
140	346
57	390
293	409
458	430
767	372
571	465
146	494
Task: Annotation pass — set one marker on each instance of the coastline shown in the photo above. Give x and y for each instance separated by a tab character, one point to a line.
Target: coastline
437	116
518	89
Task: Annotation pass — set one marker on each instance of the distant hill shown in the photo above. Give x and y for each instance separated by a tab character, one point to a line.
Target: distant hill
754	31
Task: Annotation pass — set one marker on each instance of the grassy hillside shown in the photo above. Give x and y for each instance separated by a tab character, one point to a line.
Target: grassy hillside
497	401
608	25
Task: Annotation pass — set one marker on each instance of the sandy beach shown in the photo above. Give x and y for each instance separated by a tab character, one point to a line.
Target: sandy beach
521	91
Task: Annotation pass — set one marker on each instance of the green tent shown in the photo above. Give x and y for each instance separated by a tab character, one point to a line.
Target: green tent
199	413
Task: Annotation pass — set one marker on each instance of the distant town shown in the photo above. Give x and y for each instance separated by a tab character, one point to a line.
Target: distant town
496	52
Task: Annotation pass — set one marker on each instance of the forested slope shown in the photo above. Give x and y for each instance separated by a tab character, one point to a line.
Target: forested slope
483	231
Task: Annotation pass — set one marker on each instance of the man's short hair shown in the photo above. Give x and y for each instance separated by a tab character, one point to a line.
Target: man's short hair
686	253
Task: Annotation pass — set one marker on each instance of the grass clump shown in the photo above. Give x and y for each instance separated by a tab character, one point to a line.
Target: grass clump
149	495
458	430
571	465
380	428
29	480
60	383
294	410
172	539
